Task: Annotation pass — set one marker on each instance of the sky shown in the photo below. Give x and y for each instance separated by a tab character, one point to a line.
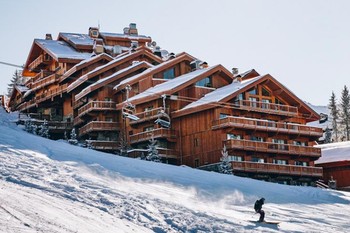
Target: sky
303	44
52	186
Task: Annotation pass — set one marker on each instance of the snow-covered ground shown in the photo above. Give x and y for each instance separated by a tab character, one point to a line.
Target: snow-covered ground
51	186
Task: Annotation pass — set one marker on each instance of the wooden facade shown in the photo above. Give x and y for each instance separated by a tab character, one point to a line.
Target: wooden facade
122	89
338	171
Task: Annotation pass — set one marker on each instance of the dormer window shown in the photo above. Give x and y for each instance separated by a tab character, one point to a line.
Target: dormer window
169	74
206	82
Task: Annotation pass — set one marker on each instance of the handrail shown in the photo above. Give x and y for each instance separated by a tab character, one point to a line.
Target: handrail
96	105
267	107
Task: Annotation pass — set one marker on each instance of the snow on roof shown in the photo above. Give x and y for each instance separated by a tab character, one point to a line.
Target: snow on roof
221	93
172	84
21	88
135	77
334	152
60	49
120	35
78	38
92	86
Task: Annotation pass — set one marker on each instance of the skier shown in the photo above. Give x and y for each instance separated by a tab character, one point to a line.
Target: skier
258	209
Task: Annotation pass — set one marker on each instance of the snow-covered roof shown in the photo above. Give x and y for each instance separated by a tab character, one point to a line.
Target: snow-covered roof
106	79
334	152
78	38
60	49
21	88
172	84
221	93
120	35
148	71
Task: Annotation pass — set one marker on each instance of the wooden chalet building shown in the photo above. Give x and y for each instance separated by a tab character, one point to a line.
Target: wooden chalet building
121	90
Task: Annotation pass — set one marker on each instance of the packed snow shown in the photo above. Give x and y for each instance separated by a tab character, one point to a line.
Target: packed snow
52	186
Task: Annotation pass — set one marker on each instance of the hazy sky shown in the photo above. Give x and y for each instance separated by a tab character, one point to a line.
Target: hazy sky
303	44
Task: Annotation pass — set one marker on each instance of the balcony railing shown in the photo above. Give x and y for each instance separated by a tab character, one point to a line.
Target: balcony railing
273	147
103	145
277	169
26	105
96	106
51	93
163	152
36	62
43	82
267	107
157	133
99	126
149	115
264	125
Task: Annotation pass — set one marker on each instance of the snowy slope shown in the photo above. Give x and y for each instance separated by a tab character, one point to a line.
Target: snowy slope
51	186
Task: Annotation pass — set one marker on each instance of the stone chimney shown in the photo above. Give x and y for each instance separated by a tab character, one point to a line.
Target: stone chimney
48	36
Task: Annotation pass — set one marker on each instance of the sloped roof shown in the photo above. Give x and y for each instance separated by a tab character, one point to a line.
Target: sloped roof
227	92
85	63
106	80
61	50
172	84
77	39
118	60
120	35
179	58
222	93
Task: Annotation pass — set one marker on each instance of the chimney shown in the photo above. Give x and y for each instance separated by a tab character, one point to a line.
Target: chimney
93	32
48	36
234	71
133	29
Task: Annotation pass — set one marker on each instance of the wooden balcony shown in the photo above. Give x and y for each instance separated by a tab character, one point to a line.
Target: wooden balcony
77	121
96	106
99	126
43	82
169	134
103	145
59	125
51	94
267	107
268	126
163	152
269	147
36	62
277	169
149	115
27	105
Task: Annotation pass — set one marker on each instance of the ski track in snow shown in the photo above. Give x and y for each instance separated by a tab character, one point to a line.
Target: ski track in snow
77	196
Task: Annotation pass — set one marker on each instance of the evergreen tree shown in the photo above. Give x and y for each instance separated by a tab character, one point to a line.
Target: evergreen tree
28	126
345	111
73	137
225	165
44	129
16	79
334	114
152	152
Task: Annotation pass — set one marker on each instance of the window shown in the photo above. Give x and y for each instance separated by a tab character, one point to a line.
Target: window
299	143
233	136
301	163
206	82
253	102
280	161
148	128
196	142
277	101
258	160
108	99
265	92
223	115
235	158
265	103
169	74
257	139
253	91
148	110
109	119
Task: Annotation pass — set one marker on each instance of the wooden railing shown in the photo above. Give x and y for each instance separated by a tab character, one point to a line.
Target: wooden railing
149	115
264	125
43	82
51	93
267	107
104	145
273	147
58	125
157	133
36	62
99	126
96	106
276	168
163	152
26	105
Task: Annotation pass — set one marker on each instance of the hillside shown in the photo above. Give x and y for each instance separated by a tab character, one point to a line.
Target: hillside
51	186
